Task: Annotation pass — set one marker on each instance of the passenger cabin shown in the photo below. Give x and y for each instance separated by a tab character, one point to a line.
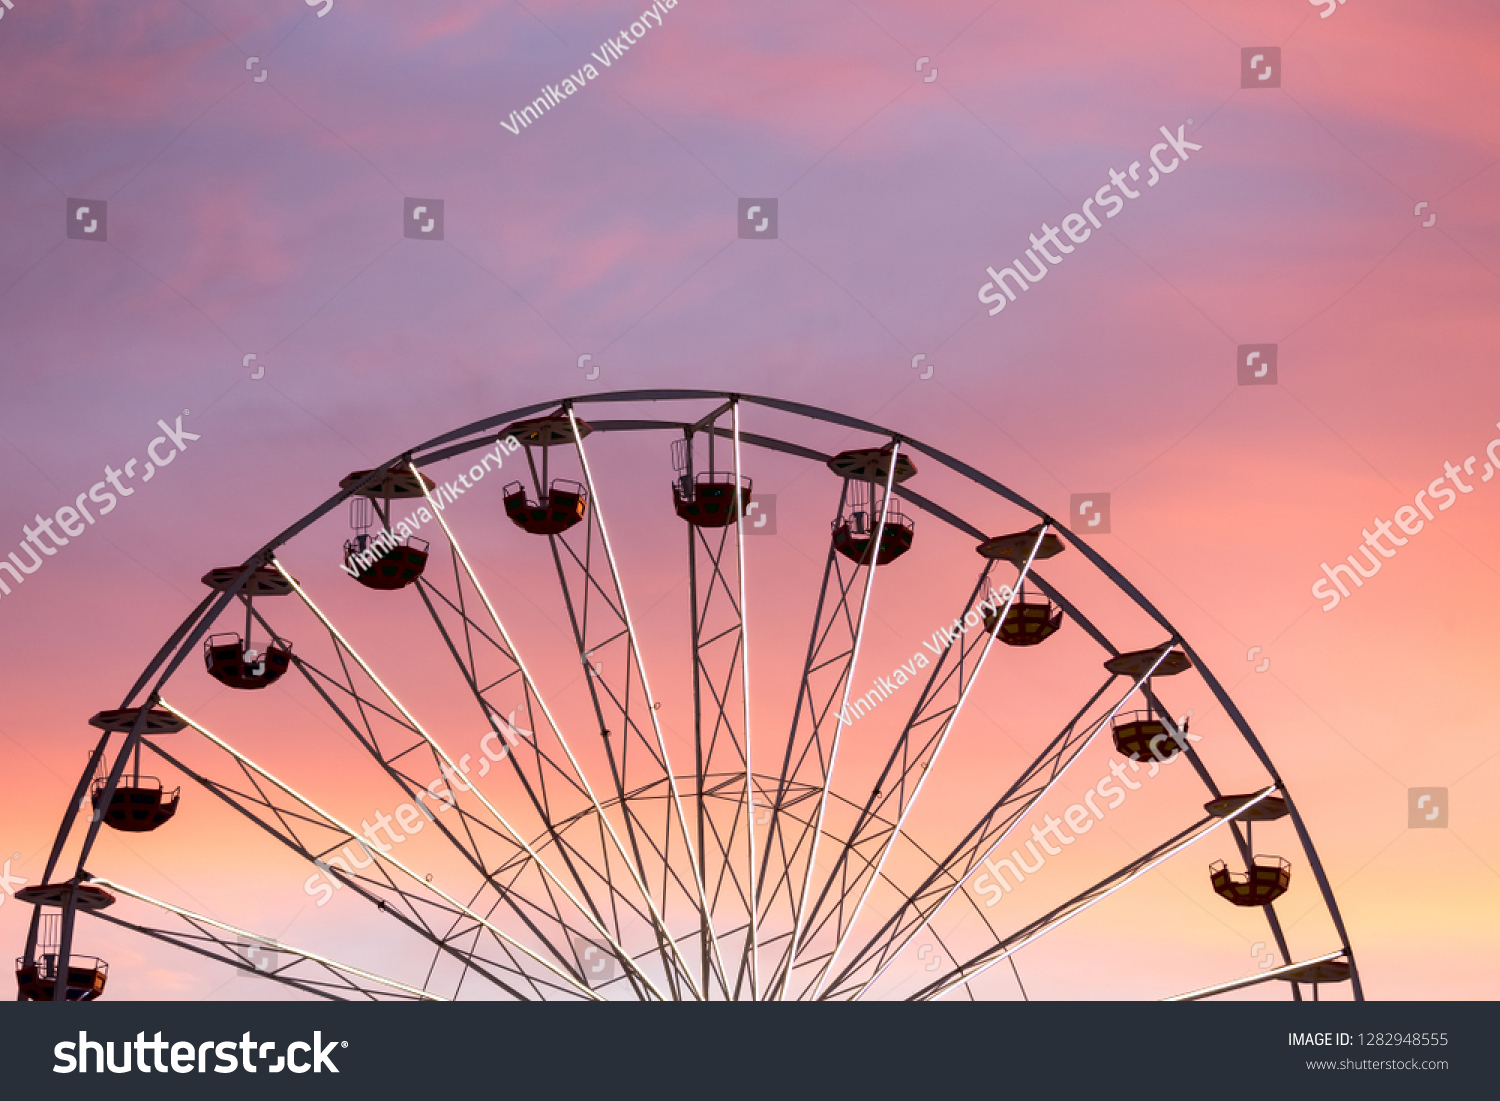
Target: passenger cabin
1268	879
706	498
395	565
854	535
38	976
564	504
866	472
383	562
1027	622
37	979
234	664
709	500
1143	736
138	805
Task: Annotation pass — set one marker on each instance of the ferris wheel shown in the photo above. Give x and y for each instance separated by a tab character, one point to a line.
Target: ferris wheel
709	807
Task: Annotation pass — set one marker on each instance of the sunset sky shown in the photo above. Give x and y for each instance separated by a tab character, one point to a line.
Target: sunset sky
1345	213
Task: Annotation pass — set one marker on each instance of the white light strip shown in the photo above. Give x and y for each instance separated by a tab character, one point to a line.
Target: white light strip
1071	914
661	744
963	696
515	654
276	944
376	852
1015	820
754	926
838	730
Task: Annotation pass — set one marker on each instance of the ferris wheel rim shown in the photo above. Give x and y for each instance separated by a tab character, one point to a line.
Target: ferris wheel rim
463	439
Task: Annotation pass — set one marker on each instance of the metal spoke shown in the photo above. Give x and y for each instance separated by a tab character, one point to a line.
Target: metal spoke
514	654
602	696
448	761
902	763
753	930
280	946
376	852
1058	757
362	886
947	728
196	944
859	634
661	744
796	754
978	966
